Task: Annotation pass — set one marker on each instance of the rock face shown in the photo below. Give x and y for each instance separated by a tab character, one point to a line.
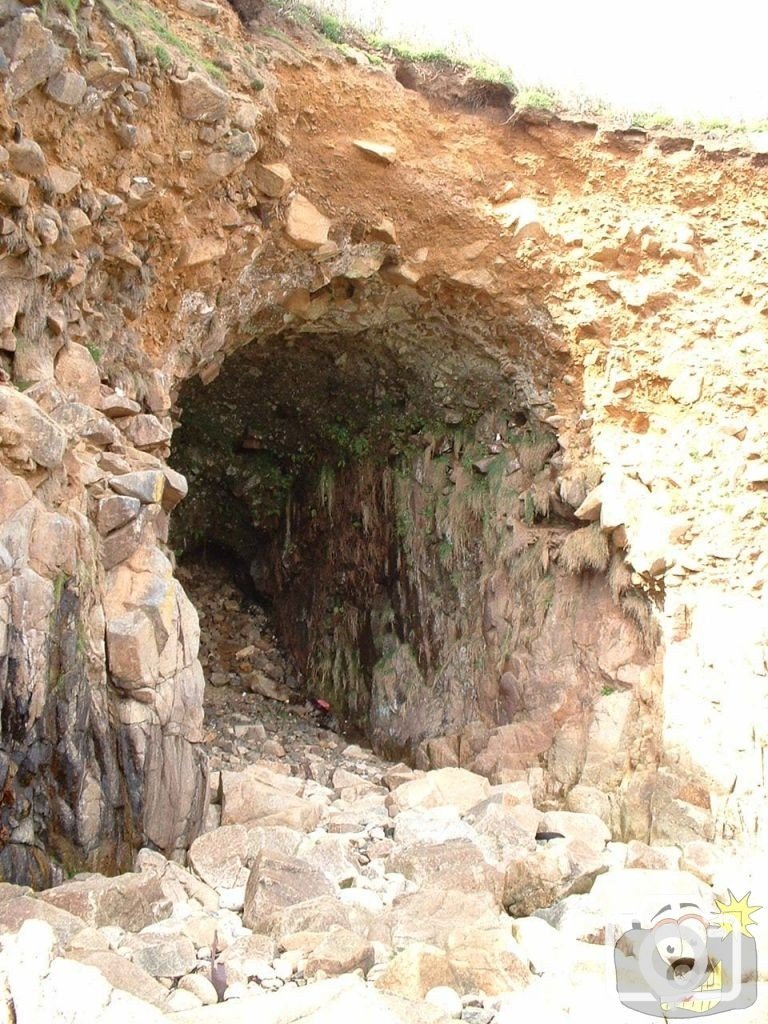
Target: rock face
404	394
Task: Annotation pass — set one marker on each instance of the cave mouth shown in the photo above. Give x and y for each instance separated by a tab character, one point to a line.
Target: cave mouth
298	456
395	505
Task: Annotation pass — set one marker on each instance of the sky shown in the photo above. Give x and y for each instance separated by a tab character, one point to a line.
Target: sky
681	57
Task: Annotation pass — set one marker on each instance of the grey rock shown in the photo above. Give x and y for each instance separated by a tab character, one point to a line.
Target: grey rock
67	88
32	54
201	100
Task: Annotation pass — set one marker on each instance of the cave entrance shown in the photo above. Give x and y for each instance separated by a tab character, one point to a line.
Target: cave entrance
392	497
344	481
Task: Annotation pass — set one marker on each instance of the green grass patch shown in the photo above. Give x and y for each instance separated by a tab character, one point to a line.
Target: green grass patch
142	20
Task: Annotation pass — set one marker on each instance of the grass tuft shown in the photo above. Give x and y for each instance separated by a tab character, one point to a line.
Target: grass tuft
585	549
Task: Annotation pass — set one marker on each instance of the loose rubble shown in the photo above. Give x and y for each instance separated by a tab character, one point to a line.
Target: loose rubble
328	881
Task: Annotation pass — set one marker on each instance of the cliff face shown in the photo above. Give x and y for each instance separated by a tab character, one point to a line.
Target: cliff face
477	400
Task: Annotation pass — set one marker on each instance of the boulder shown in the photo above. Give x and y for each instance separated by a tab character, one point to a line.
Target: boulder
77	375
147	485
201	100
316	915
43	987
588	828
27	433
258	796
454	787
340	952
162	956
274	180
556	870
16	909
276	882
67	88
432	917
219	857
130	901
122	974
456	864
32	54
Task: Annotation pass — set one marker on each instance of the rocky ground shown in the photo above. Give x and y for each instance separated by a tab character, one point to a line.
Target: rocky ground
331	884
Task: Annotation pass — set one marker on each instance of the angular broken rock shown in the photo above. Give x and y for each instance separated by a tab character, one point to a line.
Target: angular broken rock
200	99
340	952
146	484
116	511
453	787
380	151
129	901
276	882
32	54
162	956
455	864
274	180
67	88
258	796
196	251
26	432
305	225
77	375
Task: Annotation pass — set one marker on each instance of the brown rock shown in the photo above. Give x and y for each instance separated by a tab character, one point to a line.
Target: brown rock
116	511
196	251
305	225
27	158
219	857
258	796
201	9
416	970
63	180
26	432
340	952
144	430
446	787
121	973
129	901
77	375
147	485
379	151
432	916
276	882
16	909
455	864
162	956
273	180
316	915
32	54
67	88
13	191
200	99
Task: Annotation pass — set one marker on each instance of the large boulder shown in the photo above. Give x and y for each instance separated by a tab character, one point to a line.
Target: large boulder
258	796
128	901
277	882
455	864
453	787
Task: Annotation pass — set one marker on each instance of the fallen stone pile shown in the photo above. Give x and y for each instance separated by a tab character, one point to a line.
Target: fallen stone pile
399	895
330	884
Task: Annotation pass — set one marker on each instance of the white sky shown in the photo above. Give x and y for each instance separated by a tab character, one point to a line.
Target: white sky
682	57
